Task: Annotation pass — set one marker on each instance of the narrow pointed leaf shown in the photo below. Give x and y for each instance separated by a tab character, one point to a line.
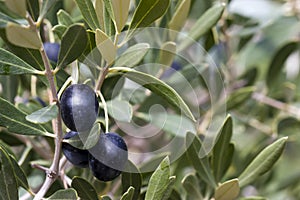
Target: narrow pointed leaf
99	9
169	188
17	6
228	190
191	185
157	86
159	181
73	44
14	120
84	189
220	149
179	17
105	46
147	12
4	19
203	24
120	9
133	55
8	182
64	18
46	6
128	195
263	162
201	165
238	97
43	115
19	174
132	177
167	53
67	194
11	64
88	12
23	36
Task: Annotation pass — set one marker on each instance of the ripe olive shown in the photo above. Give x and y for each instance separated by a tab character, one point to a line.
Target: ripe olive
107	159
79	107
52	50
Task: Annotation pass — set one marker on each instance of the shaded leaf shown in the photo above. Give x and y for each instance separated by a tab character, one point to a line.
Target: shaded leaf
157	86
43	115
17	6
33	7
191	185
59	30
133	55
201	165
277	64
132	177
128	195
84	189
106	47
238	97
46	6
8	182
228	190
263	162
9	86
11	64
88	12
14	120
4	19
203	24
120	110
19	174
66	194
73	44
23	36
147	12
221	149
159	181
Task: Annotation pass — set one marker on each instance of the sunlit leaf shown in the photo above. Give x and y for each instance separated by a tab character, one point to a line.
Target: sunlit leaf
64	18
43	115
179	17
120	9
22	36
105	46
119	110
128	195
167	53
17	6
263	162
169	188
228	190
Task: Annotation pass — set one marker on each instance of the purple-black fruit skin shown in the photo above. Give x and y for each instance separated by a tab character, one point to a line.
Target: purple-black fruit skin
78	157
79	107
108	157
52	50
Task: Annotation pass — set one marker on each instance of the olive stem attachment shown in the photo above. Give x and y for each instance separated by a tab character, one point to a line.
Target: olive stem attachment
105	111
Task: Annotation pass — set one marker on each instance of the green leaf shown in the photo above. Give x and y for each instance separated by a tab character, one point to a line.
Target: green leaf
278	61
253	198
64	18
92	137
133	55
121	10
169	188
9	86
66	194
228	190
100	10
73	44
11	64
157	86
106	47
33	7
128	195
263	162
147	12
17	6
19	174
203	24
14	120
159	181
4	19
221	150
23	36
191	184
201	165
120	110
179	17
167	53
43	115
59	30
239	96
88	12
132	177
46	6
8	182
84	189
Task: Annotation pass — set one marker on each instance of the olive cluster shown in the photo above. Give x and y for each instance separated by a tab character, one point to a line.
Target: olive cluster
79	110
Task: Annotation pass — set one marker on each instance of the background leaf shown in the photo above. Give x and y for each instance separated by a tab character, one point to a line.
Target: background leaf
228	190
88	12
179	17
73	44
128	195
84	189
66	194
132	177
17	6
262	162
64	18
43	115
119	110
191	184
14	120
